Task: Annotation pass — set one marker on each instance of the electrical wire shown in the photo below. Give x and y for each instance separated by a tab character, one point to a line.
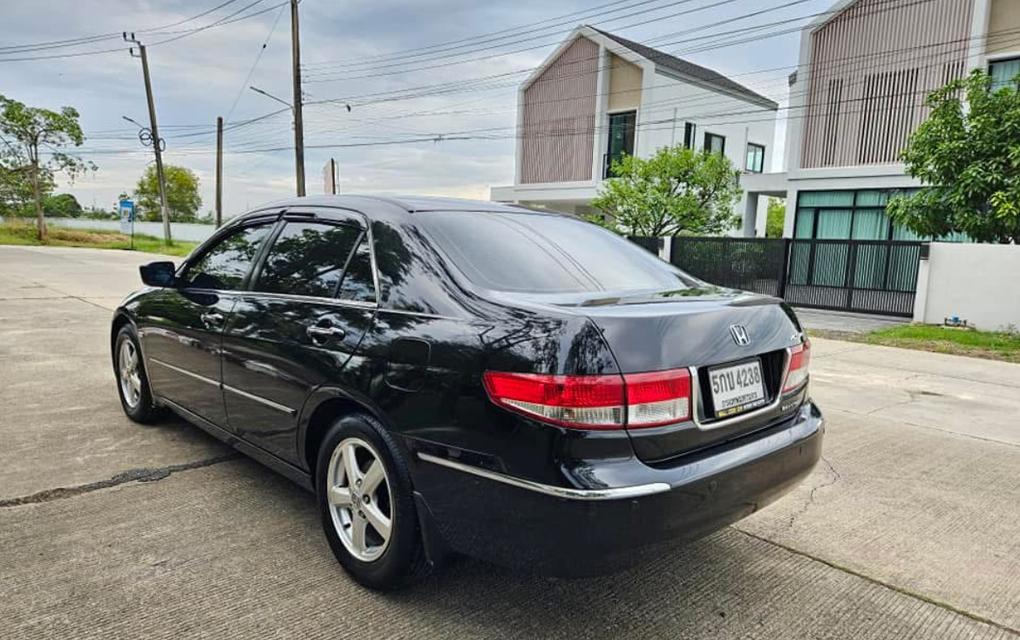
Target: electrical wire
258	57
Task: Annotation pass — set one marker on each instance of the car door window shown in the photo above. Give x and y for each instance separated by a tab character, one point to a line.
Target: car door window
225	265
308	259
359	280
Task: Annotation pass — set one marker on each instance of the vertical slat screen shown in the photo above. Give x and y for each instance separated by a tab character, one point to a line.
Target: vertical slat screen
558	128
871	68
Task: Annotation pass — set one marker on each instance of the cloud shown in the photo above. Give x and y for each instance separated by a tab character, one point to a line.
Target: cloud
197	78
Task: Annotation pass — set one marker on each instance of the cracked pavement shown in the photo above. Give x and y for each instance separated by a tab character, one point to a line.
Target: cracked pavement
910	528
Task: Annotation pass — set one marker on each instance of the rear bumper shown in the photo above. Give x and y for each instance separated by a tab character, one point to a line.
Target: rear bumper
575	532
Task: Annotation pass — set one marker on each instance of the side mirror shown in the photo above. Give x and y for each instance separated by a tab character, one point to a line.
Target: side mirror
158	274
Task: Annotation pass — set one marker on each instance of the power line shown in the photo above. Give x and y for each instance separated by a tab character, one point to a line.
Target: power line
258	57
821	76
869	55
448	136
883	53
57	44
443	88
234	17
656	125
556	21
386	69
451	87
189	32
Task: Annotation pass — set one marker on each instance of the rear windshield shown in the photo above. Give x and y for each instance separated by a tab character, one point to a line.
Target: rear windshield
542	253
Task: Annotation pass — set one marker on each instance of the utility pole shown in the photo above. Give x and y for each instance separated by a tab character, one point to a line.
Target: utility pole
219	171
299	131
157	142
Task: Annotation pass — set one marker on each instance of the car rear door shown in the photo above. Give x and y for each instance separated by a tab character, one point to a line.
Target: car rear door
297	325
181	327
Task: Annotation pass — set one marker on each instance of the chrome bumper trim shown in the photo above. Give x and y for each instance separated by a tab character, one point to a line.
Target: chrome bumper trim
613	493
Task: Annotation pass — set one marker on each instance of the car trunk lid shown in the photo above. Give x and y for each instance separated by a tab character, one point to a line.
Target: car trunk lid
704	330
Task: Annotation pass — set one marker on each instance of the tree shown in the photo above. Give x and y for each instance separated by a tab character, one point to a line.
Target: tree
182	198
32	129
967	154
62	205
15	190
775	218
675	191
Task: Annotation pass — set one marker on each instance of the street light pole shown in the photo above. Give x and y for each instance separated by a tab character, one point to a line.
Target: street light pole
299	133
219	171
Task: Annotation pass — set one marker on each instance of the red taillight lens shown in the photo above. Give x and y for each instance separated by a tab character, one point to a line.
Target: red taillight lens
658	397
800	357
595	402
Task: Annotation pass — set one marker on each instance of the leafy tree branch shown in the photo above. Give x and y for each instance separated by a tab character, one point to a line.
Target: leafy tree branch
676	191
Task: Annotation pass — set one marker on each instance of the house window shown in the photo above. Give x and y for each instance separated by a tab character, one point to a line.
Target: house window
1004	72
715	143
852	215
690	135
621	139
755	158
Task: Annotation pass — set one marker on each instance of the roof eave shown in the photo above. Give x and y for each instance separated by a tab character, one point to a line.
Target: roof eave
752	97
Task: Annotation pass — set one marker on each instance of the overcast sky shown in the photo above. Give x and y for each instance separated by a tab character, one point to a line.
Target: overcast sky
343	44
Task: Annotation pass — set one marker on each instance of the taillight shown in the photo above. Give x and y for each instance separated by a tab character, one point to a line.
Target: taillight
595	402
797	374
659	397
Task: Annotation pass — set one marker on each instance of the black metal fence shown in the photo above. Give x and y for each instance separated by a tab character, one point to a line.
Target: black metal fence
651	244
751	264
872	276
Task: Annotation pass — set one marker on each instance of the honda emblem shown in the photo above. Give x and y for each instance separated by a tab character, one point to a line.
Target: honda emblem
739	334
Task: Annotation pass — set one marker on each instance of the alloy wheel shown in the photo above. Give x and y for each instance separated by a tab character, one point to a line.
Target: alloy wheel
129	373
360	502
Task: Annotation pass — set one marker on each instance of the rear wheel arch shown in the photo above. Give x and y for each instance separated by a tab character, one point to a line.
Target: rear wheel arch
323	409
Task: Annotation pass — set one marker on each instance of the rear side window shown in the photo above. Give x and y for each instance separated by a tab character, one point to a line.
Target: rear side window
226	263
308	259
358	283
541	253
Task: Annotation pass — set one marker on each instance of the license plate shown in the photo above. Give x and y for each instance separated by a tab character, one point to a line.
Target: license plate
736	388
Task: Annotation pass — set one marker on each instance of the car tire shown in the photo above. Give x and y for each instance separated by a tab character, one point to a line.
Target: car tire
374	558
132	381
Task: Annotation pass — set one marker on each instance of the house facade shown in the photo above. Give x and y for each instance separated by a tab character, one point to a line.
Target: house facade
599	96
858	93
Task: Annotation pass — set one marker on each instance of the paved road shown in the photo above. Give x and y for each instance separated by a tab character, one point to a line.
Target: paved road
842	321
910	528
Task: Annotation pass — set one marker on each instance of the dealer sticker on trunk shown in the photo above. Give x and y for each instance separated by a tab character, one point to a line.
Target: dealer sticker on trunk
736	388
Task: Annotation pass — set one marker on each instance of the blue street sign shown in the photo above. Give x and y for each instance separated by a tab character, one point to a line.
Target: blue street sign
126	208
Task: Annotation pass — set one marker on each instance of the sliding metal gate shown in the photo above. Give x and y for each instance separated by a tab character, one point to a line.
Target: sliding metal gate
870	276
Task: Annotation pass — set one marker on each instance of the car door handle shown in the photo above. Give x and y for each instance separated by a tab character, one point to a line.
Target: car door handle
212	318
321	333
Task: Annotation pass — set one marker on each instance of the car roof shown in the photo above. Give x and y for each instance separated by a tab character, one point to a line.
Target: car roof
410	204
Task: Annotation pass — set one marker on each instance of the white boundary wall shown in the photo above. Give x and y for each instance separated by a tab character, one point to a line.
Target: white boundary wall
979	283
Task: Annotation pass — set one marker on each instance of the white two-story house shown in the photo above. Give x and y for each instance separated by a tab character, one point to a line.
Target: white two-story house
599	96
858	93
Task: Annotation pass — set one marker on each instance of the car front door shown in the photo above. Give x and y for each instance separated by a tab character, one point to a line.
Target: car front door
181	328
294	329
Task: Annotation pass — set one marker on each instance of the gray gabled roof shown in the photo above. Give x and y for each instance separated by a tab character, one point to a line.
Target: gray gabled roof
697	73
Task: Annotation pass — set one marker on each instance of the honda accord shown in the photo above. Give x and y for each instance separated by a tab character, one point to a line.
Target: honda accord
455	376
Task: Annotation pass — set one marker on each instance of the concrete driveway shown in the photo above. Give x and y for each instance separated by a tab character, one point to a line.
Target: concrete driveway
909	528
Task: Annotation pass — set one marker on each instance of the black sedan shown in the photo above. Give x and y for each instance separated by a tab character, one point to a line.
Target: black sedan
456	376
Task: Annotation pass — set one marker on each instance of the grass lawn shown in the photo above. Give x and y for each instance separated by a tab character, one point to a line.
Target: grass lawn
993	345
23	233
